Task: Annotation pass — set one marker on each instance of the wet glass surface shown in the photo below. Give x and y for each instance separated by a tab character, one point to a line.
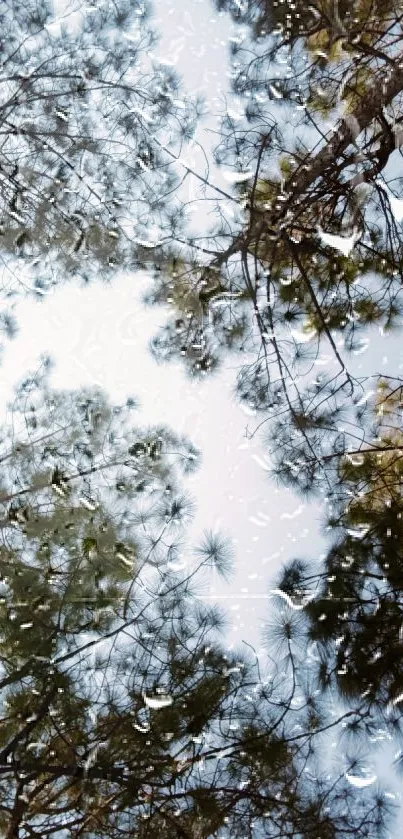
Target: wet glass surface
201	419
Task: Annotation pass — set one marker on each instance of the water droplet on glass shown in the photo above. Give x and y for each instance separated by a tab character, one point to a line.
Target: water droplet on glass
237	177
359	781
356	459
357	532
157	702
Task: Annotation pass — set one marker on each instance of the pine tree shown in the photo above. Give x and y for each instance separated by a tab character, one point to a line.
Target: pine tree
353	601
316	258
85	184
121	711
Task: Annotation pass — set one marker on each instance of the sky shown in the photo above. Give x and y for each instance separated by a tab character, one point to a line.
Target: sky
99	335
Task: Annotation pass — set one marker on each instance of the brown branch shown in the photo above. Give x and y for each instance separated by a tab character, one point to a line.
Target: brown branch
318	308
17	814
378	94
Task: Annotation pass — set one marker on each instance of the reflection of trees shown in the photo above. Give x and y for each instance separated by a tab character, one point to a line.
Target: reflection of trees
311	262
316	258
83	183
355	614
121	711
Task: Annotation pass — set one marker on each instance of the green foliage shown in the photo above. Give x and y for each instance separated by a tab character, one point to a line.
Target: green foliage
120	710
81	168
354	608
276	282
121	713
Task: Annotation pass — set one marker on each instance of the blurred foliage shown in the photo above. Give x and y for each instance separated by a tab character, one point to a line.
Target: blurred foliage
306	253
353	601
122	714
121	711
84	109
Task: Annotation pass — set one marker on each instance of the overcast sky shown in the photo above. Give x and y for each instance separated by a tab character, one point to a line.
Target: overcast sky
99	335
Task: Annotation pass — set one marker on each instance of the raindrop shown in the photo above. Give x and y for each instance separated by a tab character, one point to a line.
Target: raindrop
303	336
294	515
237	177
344	244
359	781
150	245
361	347
89	503
176	565
228	670
364	399
157	702
297	606
236	115
144	729
358	532
356	459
